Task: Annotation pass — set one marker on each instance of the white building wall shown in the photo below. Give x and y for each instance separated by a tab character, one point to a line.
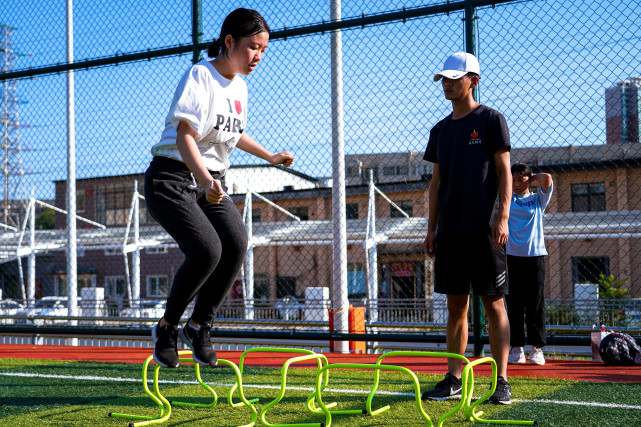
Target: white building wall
263	179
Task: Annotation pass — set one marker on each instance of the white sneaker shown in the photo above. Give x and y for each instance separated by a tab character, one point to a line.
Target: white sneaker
536	356
517	356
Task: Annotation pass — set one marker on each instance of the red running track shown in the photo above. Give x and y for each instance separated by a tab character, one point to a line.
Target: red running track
554	368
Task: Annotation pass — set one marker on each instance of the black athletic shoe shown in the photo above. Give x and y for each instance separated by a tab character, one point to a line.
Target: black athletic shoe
449	388
166	349
503	393
200	343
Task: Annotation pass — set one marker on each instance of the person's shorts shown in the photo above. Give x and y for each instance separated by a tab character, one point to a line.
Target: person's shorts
466	260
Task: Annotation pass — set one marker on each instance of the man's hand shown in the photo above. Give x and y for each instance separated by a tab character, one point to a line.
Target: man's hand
500	233
430	244
214	192
285	158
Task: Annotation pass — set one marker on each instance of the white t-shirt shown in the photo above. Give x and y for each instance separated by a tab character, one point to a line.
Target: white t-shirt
215	107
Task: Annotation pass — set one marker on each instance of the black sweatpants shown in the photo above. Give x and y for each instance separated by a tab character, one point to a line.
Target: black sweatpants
212	237
526	299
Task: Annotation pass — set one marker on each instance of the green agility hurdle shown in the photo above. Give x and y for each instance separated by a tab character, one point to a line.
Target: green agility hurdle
164	405
467	380
322	361
368	406
308	355
445	416
364	366
241	366
468	386
465	402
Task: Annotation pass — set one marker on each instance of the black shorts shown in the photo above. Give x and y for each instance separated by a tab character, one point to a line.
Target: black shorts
466	260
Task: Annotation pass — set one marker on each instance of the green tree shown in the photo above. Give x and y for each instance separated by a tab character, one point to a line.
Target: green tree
613	293
46	220
610	288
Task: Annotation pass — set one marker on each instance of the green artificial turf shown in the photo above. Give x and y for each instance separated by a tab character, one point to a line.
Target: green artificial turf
70	393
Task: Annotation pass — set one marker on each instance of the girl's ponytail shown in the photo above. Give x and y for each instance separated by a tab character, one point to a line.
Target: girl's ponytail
214	49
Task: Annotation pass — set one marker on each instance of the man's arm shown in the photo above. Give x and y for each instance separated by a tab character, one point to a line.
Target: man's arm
432	213
500	228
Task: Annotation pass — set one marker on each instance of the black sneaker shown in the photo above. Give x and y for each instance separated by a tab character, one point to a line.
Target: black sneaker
200	343
449	388
166	349
503	393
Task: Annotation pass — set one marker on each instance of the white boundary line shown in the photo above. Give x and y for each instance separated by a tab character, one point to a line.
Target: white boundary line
364	392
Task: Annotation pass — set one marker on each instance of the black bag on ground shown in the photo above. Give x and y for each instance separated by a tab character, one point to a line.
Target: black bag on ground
620	349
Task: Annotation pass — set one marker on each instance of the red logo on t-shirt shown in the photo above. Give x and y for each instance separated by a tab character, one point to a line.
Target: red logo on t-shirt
474	138
238	106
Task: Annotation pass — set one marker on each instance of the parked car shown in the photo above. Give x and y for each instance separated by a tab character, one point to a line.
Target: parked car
153	309
9	307
45	306
289	308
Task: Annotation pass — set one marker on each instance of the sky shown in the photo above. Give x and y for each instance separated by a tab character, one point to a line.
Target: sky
544	64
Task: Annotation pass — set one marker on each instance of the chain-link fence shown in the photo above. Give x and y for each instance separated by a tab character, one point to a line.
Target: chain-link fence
566	75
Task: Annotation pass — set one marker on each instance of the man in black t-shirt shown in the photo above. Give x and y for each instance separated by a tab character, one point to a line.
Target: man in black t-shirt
469	201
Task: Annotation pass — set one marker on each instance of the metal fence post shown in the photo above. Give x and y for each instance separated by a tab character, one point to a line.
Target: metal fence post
135	256
372	253
196	28
72	260
248	291
340	301
32	252
470	47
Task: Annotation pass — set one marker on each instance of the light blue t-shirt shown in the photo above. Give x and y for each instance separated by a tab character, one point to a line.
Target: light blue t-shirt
526	224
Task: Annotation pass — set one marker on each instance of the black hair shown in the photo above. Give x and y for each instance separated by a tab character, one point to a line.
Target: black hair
239	23
522	169
470	75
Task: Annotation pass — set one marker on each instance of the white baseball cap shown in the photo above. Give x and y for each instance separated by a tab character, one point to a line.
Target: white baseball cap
458	65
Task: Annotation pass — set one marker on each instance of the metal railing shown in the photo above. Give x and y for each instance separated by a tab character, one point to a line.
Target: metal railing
398	315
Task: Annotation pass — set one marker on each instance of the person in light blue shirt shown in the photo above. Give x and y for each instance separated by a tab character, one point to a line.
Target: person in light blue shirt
526	263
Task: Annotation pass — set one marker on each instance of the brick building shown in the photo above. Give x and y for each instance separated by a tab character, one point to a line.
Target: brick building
593	225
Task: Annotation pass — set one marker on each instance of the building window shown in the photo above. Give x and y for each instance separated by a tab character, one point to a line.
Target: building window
83	281
143	213
285	286
157	286
351	211
61	285
389	170
114	287
156	250
113	251
406	205
302	212
80	201
353	171
366	172
420	170
588	197
261	286
395	170
587	269
255	215
356	280
112	204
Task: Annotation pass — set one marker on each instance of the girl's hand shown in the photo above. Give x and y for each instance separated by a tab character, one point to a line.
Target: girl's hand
214	191
285	158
